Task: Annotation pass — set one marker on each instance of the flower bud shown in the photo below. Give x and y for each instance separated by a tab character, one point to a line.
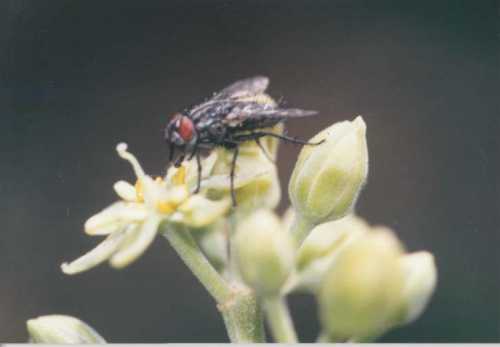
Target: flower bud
361	293
213	242
264	252
323	245
328	238
59	329
256	180
328	177
420	276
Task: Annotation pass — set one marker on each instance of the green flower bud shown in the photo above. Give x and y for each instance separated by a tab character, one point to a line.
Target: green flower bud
361	293
323	245
59	329
420	281
327	178
287	218
264	252
213	242
256	180
328	238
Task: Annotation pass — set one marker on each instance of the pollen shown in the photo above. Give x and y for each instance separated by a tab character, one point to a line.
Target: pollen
159	180
165	207
179	177
139	191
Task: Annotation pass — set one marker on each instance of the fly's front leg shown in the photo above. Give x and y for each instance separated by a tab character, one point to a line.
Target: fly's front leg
196	153
198	163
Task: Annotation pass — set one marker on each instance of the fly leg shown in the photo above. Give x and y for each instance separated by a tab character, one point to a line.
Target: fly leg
198	163
266	154
233	169
287	138
171	152
196	153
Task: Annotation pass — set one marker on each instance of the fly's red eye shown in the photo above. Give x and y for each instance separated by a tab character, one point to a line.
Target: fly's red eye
186	128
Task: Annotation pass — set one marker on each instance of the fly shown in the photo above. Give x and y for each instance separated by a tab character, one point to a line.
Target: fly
240	112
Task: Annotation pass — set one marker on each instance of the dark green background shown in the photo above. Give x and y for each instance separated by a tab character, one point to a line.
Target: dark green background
76	77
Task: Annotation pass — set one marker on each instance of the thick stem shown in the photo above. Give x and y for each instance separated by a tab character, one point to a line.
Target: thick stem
238	306
279	320
301	227
243	317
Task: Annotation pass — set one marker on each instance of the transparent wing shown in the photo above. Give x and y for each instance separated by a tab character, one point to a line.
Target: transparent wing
256	111
244	88
250	116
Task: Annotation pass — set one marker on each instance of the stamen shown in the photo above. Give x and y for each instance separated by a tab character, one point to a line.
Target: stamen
139	191
179	177
165	207
121	148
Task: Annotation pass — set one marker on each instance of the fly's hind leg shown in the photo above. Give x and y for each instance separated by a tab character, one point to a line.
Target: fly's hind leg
287	138
231	177
263	149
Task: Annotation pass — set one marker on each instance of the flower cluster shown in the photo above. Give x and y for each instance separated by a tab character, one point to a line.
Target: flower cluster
249	258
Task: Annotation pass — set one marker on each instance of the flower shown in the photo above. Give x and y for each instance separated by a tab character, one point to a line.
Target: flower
328	177
264	252
59	329
133	222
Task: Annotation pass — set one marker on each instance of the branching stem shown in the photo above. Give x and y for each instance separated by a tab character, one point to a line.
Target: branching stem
237	304
279	320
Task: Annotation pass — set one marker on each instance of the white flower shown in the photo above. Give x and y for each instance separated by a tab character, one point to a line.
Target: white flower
133	222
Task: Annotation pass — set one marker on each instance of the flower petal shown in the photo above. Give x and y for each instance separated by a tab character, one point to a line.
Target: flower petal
137	242
198	211
99	254
222	182
125	190
114	217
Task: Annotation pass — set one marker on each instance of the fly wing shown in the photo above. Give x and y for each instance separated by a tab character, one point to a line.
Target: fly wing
288	113
244	88
254	115
227	97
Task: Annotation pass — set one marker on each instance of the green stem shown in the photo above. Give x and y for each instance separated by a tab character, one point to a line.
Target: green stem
243	317
279	320
323	337
183	243
301	228
238	306
366	339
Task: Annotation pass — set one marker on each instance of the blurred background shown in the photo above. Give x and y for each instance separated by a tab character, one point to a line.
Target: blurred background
78	77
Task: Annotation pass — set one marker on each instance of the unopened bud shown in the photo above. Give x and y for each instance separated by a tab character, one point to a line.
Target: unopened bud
264	252
420	276
322	247
328	177
327	238
59	329
361	293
